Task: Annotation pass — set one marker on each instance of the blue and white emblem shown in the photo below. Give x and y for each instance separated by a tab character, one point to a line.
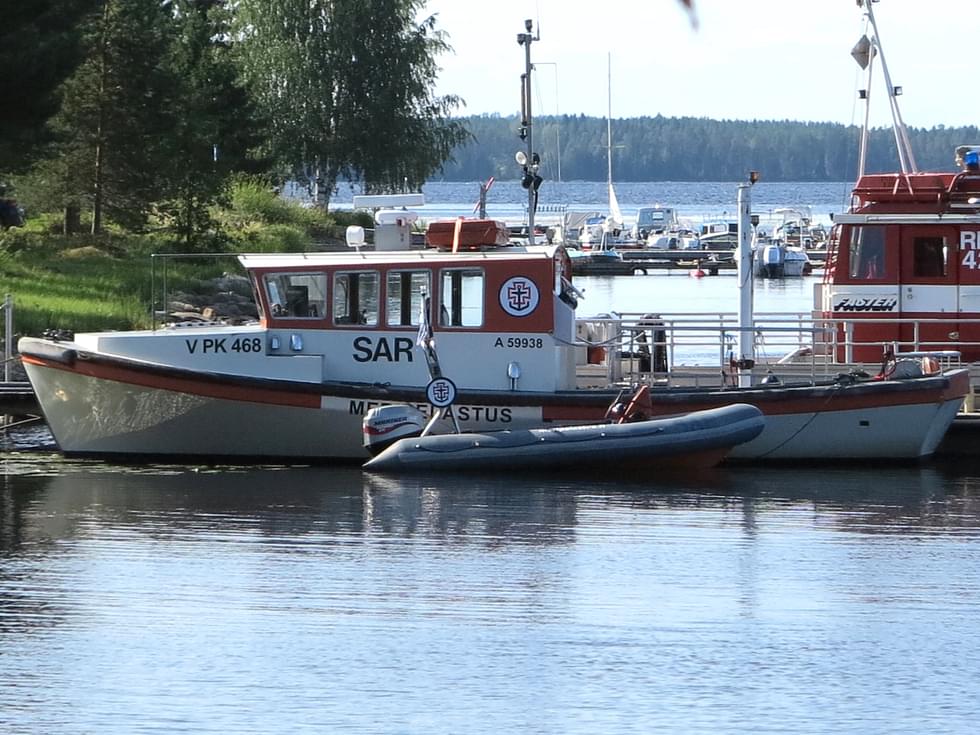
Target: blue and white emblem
519	296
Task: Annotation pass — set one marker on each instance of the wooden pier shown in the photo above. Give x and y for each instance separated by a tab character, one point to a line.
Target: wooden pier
17	399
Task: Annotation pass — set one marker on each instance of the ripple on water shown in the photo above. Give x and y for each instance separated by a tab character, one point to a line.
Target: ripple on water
267	599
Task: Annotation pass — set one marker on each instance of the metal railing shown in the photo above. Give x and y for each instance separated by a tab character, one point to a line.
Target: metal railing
7	307
696	347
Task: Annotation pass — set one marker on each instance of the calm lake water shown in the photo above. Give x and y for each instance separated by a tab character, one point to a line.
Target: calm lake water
169	599
697	201
202	599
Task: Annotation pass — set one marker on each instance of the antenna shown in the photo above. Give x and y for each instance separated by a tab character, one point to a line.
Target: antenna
864	53
529	161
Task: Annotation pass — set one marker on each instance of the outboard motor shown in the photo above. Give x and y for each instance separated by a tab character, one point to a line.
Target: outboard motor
384	425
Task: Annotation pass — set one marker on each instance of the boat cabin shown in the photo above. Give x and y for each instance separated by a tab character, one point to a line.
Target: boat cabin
904	264
500	316
650	220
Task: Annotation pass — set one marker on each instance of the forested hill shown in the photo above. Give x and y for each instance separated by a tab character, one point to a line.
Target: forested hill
692	149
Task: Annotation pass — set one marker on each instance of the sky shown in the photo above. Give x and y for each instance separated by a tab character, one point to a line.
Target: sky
745	59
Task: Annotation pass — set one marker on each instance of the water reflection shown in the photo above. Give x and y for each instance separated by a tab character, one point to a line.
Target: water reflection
47	499
304	599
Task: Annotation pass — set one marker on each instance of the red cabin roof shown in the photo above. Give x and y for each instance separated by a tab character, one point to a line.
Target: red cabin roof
917	192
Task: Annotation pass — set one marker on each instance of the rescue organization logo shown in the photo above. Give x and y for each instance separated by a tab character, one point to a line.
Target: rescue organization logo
519	296
880	304
441	392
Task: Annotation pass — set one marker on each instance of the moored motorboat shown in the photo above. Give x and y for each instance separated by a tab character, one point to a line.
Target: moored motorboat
902	263
331	344
776	259
341	332
691	441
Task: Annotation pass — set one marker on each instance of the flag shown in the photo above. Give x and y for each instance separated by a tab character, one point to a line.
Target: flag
484	188
456	231
425	328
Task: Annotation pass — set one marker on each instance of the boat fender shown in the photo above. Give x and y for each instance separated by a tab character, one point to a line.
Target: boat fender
906	369
50	351
930	365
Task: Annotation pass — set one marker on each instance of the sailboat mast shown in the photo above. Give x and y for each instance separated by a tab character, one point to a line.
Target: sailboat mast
609	120
615	219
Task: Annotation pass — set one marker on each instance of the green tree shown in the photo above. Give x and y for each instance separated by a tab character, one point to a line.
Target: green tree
397	132
284	55
345	85
117	114
40	45
215	128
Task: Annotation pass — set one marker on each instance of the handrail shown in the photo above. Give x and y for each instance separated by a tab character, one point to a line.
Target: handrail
696	341
165	258
7	307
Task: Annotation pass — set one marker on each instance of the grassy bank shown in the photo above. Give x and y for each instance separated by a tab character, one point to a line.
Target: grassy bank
89	288
111	280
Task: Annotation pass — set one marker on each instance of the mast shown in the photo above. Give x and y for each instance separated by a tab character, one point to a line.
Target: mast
864	53
614	211
529	160
609	120
746	285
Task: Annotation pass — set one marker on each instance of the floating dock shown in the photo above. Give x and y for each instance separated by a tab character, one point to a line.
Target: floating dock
641	261
17	399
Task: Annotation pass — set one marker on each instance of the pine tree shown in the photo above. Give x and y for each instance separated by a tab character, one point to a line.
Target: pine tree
215	128
40	45
117	113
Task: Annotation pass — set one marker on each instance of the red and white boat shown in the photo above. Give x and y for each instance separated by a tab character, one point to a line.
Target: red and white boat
903	264
341	333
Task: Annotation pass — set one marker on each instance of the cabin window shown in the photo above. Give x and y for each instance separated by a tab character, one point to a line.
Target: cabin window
461	297
297	295
867	252
929	256
403	297
355	298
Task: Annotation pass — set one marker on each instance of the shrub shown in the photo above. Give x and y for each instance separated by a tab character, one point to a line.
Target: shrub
251	200
19	240
345	217
258	238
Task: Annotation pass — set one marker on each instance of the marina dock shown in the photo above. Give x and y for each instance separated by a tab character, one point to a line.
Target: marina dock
17	399
642	261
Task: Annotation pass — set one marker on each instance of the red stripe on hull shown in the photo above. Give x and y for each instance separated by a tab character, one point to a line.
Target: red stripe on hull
207	389
839	399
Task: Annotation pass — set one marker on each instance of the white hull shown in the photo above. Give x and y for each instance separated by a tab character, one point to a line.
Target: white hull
843	435
793	265
89	415
92	416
